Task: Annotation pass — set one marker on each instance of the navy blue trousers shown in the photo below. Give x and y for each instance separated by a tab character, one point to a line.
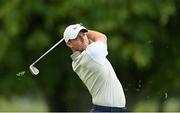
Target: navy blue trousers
97	108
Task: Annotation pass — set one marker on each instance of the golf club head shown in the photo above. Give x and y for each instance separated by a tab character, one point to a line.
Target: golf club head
33	70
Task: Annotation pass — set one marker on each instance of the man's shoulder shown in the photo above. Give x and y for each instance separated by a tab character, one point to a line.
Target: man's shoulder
97	51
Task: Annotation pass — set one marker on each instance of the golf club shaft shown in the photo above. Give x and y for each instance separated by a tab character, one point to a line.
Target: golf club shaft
48	51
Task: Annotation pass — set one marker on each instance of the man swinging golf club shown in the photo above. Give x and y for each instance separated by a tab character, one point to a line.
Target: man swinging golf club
93	68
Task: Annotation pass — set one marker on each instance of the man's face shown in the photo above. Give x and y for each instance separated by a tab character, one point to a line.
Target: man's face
80	43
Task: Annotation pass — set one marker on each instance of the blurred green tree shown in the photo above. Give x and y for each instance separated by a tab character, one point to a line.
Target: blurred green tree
143	48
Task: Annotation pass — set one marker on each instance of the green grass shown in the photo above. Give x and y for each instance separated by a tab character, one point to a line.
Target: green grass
170	105
20	104
146	106
173	105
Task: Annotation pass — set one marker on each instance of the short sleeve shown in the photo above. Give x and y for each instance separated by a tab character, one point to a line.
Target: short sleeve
97	51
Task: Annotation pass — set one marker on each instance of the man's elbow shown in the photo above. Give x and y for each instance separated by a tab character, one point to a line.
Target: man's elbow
104	38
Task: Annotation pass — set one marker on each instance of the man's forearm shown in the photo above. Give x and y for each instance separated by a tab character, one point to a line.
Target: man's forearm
96	36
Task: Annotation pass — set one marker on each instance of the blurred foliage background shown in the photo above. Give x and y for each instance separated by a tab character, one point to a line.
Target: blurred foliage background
143	43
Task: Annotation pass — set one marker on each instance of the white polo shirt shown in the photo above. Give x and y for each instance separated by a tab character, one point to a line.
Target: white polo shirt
96	72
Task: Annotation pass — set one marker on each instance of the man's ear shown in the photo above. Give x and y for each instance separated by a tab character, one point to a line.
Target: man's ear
69	44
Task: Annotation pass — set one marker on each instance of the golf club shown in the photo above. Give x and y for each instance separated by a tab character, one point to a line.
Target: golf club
32	68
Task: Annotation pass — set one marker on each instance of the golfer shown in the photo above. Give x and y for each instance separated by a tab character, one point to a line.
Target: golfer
94	69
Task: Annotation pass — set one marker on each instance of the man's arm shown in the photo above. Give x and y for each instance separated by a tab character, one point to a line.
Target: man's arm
96	36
